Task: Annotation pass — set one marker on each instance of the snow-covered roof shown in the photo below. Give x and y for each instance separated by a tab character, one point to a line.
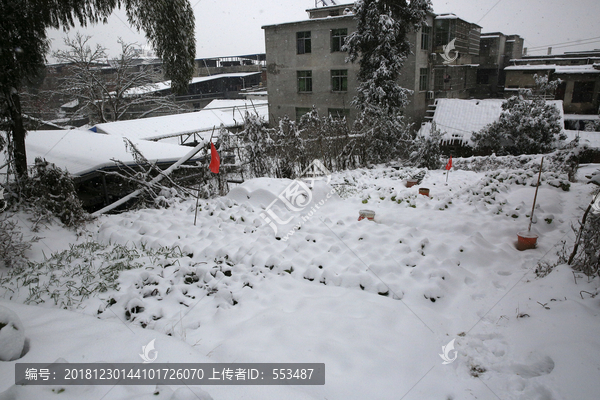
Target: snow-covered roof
229	113
528	67
155	87
458	119
81	152
558	69
582	117
592	139
576	69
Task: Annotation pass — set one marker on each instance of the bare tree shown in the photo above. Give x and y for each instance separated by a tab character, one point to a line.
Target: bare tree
110	89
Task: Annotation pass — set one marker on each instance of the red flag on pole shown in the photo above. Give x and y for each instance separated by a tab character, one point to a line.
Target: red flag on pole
215	160
449	165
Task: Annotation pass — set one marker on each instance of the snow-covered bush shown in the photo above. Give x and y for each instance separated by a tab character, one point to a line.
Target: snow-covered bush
12	335
527	124
426	150
257	141
50	191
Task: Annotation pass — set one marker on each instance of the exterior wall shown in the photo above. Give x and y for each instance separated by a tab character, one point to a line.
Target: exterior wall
283	63
570	104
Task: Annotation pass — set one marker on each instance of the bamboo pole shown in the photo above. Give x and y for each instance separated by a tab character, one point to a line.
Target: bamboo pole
535	197
157	179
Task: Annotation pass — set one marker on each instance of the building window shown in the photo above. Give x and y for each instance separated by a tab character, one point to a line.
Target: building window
423	79
338	113
425	37
303	42
339	80
338	37
300	112
583	92
304	81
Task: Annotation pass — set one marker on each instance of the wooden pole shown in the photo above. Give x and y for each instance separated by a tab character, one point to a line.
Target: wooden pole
535	197
198	195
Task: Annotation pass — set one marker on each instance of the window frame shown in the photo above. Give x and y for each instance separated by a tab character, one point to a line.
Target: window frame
339	80
423	79
338	39
579	95
303	42
304	81
426	33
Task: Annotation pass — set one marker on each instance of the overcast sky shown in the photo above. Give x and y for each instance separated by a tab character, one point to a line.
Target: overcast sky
233	27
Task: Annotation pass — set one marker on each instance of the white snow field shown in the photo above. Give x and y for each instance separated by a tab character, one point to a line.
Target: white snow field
373	300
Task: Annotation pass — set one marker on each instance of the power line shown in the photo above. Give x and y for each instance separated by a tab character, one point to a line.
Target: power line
558	44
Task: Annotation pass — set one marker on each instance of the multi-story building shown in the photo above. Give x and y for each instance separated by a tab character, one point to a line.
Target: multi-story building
306	66
579	73
455	70
495	52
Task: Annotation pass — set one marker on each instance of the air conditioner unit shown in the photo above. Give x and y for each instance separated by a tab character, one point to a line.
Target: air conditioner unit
430	95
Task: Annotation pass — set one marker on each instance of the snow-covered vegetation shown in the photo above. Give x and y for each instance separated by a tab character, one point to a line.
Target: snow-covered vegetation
373	300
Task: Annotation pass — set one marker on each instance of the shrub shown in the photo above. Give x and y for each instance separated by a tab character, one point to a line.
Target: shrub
50	191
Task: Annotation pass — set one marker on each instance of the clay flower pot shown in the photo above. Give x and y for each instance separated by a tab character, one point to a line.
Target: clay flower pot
424	191
526	240
411	182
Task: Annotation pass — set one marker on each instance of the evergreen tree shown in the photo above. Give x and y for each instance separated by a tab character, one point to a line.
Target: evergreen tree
527	124
168	24
381	45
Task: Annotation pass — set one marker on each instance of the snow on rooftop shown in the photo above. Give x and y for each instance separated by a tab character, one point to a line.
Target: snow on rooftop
457	119
592	139
582	117
229	113
558	69
81	151
155	87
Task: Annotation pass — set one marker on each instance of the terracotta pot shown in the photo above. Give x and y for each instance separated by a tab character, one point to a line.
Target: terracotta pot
411	182
526	240
424	191
368	214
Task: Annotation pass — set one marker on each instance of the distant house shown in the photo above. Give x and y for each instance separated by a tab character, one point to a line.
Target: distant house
458	119
456	78
495	52
203	89
578	71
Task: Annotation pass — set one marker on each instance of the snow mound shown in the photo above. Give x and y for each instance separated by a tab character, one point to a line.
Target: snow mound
12	335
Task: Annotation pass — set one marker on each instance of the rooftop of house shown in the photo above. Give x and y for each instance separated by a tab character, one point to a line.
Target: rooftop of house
557	69
458	119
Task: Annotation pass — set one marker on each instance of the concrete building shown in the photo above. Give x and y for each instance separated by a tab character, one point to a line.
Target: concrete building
306	66
455	70
495	51
579	73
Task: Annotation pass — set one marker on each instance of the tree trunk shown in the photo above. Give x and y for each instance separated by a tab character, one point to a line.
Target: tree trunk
20	155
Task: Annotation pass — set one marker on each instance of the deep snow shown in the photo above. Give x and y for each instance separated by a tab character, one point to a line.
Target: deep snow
373	300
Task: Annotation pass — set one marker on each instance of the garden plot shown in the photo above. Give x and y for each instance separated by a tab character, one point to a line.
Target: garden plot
374	300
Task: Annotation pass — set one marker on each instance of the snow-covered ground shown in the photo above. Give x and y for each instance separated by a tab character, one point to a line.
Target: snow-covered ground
373	300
